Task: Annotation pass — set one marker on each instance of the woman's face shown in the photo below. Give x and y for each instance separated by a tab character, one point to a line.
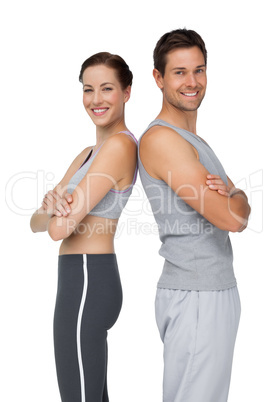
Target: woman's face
103	97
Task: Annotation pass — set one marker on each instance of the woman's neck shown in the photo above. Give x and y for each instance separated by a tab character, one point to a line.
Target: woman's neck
102	133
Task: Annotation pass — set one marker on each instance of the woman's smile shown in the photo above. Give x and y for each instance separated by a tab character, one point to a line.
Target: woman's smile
99	111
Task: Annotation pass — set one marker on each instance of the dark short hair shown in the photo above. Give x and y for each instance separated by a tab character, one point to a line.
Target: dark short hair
179	38
113	61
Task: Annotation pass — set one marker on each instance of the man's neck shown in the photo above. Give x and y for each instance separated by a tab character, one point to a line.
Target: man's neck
179	118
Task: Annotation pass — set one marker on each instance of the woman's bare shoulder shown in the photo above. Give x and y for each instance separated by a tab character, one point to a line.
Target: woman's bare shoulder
121	144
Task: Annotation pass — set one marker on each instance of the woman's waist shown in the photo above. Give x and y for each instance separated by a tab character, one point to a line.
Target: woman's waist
92	226
92	236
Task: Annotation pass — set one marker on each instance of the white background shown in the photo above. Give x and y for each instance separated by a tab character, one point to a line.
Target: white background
44	126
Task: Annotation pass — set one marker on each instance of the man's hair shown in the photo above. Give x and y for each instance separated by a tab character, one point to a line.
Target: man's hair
180	38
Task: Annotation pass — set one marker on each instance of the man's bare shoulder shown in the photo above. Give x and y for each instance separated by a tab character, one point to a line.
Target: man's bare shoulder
163	149
158	133
163	138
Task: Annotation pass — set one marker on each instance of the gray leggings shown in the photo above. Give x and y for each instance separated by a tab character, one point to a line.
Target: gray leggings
89	300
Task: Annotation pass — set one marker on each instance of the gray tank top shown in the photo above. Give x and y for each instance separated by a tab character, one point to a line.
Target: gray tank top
114	201
198	255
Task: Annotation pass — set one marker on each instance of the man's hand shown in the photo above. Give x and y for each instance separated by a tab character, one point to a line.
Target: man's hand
215	183
56	205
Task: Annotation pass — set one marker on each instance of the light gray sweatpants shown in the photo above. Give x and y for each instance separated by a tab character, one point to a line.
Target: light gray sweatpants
199	331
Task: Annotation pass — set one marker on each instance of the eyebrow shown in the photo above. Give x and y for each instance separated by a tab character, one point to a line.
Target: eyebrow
102	85
184	68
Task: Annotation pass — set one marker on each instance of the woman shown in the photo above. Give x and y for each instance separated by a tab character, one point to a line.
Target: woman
83	211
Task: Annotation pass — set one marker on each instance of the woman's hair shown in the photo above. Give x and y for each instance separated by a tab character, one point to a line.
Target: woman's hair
180	38
113	61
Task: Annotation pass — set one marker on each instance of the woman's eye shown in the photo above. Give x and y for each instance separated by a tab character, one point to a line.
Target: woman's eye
107	89
87	90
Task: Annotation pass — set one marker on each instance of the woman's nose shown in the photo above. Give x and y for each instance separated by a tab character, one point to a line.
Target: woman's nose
97	99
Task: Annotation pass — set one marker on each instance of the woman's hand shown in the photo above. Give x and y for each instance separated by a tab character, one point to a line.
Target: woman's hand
215	183
56	205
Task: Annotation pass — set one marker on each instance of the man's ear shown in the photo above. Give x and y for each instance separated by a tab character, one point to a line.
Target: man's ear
158	78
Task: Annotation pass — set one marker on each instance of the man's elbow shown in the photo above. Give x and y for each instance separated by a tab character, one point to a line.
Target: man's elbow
233	218
238	224
237	227
238	217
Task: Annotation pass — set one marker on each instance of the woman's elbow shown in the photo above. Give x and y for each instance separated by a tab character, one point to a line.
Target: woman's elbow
54	235
32	226
56	230
35	225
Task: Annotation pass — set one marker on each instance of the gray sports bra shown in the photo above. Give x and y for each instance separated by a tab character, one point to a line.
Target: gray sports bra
113	203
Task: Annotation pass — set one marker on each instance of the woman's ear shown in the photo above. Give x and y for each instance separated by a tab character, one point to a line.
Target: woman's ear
127	93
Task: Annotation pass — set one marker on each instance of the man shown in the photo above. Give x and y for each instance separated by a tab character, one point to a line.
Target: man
195	206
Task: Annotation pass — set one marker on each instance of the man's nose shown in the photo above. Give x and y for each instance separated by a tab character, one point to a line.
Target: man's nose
191	80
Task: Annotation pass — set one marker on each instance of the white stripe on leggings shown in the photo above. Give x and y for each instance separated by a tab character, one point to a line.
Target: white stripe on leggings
78	331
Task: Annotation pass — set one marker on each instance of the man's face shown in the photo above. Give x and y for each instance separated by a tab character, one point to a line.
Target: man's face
185	80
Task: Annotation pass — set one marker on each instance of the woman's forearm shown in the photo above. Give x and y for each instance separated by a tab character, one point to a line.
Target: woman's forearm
53	205
39	221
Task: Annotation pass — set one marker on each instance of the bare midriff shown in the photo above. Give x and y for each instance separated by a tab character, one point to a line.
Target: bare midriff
94	235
